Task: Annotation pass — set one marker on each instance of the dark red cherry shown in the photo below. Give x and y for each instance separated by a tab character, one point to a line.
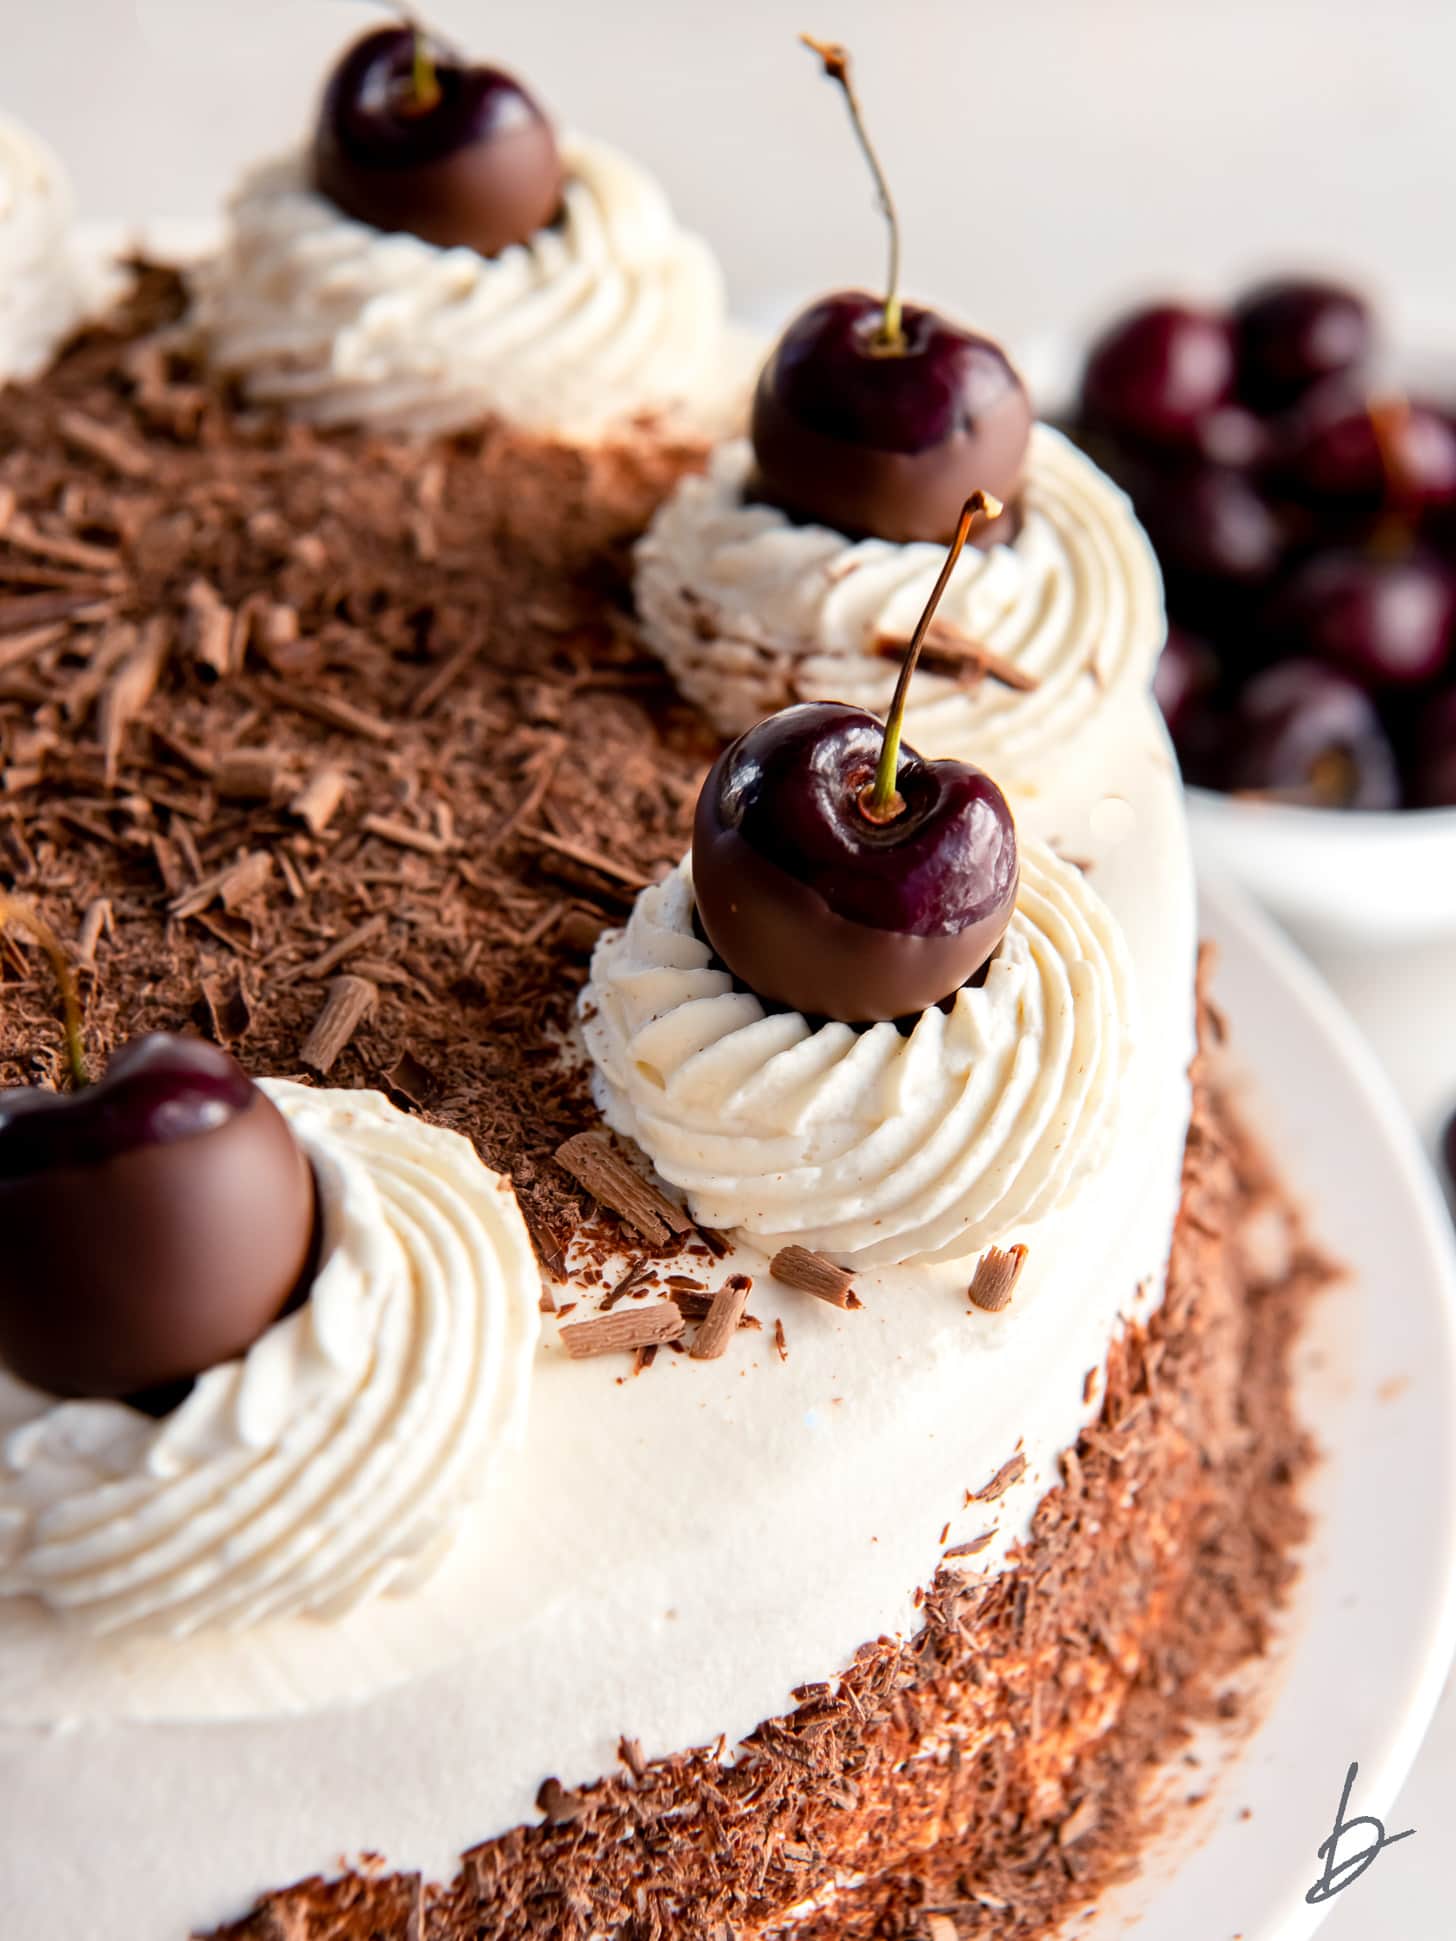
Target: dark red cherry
814	904
1304	733
1156	376
154	1223
410	138
1294	333
1389	622
887	443
1433	784
1352	453
1207	522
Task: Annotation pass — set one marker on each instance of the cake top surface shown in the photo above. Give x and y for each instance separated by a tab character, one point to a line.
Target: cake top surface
281	708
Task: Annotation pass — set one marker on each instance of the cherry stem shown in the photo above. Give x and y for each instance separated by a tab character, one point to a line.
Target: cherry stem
424	80
883	802
891	334
23	917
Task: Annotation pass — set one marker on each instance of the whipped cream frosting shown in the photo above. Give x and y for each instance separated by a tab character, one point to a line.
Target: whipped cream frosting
750	611
330	1462
45	288
872	1146
613	313
808	1497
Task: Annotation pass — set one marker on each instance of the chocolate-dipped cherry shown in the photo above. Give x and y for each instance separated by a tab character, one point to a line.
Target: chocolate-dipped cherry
410	138
879	418
154	1223
844	876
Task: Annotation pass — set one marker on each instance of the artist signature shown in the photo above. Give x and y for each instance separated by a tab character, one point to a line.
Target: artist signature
1340	1874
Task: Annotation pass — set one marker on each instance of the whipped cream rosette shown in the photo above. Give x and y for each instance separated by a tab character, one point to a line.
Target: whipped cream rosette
612	313
45	288
332	1460
875	1146
750	611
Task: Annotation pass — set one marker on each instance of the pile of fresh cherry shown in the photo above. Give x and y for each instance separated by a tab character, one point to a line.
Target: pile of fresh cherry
1304	512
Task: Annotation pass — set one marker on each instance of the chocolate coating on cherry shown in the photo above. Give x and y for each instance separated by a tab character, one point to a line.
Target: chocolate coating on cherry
886	444
155	1222
813	904
409	138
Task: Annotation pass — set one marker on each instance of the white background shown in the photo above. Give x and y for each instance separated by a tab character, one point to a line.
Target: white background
1048	156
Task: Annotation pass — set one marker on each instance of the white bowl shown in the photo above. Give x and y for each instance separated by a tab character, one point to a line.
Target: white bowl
1338	878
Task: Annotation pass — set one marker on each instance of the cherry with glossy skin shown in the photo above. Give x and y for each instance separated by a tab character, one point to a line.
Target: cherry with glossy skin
1346	452
880	418
1208	522
1388	622
155	1222
1294	333
1305	733
841	874
1158	375
814	905
885	444
410	138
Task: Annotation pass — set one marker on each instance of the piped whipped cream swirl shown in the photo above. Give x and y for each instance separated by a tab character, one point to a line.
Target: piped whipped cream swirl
613	313
750	612
870	1146
332	1461
45	290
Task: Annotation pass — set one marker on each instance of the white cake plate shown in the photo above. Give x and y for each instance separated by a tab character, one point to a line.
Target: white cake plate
1364	1649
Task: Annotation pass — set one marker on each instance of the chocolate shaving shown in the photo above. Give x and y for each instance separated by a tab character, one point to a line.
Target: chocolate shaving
408	1079
995	1278
947	650
101	441
231	887
972	1547
317	802
559	1807
1011	1471
211	630
330	709
780	1341
248	774
130	690
588	858
811	1273
722	1320
337	953
595	1163
222	1010
390	829
628	1329
349	1001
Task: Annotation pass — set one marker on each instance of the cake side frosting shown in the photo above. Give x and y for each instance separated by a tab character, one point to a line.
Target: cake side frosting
613	313
678	1549
749	610
870	1146
333	1460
